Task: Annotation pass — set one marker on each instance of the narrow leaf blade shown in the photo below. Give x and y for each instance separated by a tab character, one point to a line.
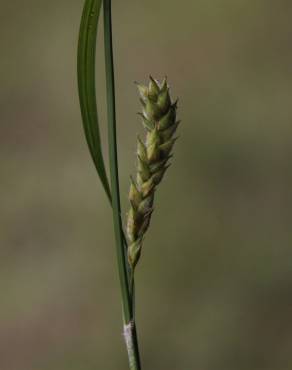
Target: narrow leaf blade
86	86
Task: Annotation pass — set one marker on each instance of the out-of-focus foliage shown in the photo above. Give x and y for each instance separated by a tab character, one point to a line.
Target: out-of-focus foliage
217	261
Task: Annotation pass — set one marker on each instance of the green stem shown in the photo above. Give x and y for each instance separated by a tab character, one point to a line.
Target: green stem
129	324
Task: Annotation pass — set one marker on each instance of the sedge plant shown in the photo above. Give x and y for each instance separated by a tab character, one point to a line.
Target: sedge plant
158	116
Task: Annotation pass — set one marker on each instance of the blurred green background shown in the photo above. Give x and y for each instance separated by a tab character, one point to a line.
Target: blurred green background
215	281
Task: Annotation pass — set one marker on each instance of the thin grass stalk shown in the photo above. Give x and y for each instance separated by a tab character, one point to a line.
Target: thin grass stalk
128	317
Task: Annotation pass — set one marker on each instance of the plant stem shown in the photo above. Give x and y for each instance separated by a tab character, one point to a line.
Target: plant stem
128	317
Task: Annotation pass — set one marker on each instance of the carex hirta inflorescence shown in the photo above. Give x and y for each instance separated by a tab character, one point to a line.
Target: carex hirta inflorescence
153	154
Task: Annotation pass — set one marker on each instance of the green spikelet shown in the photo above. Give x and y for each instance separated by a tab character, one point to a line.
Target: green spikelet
159	120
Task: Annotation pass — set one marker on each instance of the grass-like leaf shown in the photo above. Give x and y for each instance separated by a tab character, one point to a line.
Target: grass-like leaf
86	86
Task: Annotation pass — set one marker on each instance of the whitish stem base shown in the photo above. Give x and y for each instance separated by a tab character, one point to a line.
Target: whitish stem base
128	334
